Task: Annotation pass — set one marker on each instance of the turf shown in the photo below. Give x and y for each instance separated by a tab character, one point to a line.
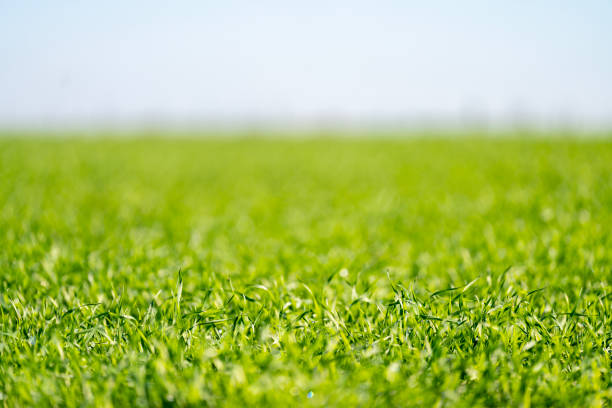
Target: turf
321	272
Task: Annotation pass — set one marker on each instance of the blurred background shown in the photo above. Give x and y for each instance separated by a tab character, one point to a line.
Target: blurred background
202	64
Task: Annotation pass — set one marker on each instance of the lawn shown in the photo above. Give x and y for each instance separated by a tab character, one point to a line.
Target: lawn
156	271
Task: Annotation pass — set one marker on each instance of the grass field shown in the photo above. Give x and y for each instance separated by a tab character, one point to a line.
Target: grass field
315	272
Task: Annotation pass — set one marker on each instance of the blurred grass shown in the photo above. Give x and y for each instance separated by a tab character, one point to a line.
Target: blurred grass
333	266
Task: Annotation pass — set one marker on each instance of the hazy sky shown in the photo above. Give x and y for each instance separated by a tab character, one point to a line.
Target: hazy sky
66	61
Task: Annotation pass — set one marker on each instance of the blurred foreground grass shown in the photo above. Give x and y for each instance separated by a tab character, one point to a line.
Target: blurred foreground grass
305	272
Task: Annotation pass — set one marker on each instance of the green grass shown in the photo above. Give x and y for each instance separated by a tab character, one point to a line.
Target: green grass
317	272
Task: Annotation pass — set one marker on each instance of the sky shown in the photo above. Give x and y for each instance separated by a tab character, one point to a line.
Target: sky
65	62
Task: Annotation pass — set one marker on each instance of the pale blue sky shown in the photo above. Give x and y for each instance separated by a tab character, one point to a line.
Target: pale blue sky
83	61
